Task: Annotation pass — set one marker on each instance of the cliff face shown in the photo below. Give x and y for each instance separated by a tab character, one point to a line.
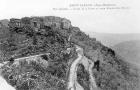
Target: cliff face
41	50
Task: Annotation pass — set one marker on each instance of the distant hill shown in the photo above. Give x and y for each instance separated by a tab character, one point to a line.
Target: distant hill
130	50
110	39
126	45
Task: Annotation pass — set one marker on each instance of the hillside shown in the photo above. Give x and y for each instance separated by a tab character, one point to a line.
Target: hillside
49	53
130	50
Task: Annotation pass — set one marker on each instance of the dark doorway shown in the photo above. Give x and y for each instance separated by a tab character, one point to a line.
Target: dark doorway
97	65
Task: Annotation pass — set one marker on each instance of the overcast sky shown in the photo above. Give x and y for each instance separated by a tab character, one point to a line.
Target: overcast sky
109	21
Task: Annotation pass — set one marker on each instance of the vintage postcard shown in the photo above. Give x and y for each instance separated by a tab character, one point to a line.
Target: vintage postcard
69	45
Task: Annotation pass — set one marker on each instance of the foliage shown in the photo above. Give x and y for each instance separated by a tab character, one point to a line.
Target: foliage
114	73
83	77
48	36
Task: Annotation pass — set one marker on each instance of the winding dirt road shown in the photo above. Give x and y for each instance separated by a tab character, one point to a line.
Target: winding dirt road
88	64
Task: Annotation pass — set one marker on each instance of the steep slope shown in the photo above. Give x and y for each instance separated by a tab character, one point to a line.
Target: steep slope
48	53
130	50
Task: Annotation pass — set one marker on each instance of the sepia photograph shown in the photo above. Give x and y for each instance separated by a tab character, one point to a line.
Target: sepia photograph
69	45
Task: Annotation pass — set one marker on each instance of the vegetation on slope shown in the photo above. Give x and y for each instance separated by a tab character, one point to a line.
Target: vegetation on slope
54	35
129	50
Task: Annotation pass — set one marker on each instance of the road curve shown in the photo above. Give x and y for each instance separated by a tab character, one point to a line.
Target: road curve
88	64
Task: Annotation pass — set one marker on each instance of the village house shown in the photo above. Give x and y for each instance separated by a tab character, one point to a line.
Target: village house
15	23
36	24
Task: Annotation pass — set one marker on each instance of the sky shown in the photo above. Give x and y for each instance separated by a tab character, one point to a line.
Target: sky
103	21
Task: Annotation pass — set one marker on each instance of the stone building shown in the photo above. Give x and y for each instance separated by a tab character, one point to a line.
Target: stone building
36	23
53	24
15	23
